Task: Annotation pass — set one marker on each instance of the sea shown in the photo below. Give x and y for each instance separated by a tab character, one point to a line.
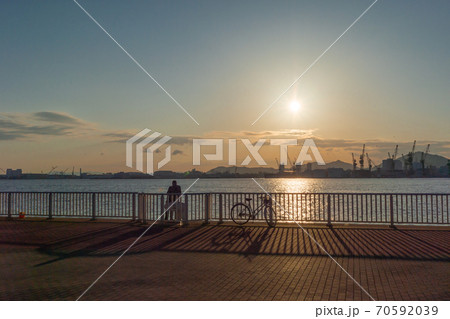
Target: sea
234	185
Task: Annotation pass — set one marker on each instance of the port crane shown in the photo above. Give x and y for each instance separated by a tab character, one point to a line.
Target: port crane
394	155
354	162
51	171
291	163
410	158
370	162
395	152
422	159
361	157
295	167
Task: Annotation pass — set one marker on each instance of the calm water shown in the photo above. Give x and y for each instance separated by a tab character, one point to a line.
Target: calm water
300	185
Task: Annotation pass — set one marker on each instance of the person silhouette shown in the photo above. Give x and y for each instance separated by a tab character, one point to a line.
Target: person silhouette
174	192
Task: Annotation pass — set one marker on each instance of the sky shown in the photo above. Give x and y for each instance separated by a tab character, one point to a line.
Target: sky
69	96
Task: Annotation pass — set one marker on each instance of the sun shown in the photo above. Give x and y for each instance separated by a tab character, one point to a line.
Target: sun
294	106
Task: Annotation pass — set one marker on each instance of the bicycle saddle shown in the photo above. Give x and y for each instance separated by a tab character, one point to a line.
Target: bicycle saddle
248	198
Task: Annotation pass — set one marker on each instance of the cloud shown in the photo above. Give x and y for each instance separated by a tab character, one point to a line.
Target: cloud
56	117
123	136
117	136
254	135
19	126
280	134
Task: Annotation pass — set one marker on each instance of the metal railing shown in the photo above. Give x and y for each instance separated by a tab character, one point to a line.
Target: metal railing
68	204
432	209
344	207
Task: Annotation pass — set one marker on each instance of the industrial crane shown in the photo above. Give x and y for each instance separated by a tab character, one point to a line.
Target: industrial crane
280	166
3	170
361	157
354	162
53	168
291	163
394	156
422	159
371	163
410	158
295	167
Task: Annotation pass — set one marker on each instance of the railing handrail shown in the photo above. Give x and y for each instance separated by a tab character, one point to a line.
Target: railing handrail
347	207
217	193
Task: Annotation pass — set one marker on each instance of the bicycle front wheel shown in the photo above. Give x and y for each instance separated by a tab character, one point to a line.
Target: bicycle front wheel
240	213
270	216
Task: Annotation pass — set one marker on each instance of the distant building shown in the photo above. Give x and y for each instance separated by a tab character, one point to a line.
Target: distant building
417	166
336	172
319	173
13	173
398	165
388	165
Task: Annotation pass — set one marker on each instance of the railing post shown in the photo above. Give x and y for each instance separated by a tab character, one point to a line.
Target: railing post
220	209
9	206
144	208
50	205
140	208
207	207
94	206
329	210
162	210
391	200
184	214
133	207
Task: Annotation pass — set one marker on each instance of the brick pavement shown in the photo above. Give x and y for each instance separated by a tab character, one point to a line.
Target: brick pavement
58	260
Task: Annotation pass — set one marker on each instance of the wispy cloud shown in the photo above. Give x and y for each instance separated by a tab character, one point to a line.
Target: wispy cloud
56	117
20	126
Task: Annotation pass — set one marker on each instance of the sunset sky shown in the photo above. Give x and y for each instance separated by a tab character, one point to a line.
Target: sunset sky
69	96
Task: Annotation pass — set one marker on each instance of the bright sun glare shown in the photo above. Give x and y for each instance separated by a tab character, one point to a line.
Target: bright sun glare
294	106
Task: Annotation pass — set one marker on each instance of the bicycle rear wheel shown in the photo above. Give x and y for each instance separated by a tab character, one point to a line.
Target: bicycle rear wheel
270	216
240	213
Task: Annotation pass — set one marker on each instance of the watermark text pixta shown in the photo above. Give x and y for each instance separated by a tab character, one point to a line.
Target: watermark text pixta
147	145
253	149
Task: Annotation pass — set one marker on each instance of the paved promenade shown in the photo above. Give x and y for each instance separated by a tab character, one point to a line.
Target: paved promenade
58	260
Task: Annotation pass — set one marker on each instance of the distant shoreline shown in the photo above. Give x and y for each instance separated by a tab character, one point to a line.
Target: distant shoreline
215	177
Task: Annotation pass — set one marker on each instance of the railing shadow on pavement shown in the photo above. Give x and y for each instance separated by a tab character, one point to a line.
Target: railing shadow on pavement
253	241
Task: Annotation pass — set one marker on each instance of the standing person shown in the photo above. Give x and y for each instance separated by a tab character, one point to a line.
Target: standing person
174	192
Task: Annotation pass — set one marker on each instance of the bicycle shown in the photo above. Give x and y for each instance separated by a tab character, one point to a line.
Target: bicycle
242	212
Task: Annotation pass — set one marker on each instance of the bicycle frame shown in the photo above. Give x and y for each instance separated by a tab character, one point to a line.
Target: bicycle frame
258	209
